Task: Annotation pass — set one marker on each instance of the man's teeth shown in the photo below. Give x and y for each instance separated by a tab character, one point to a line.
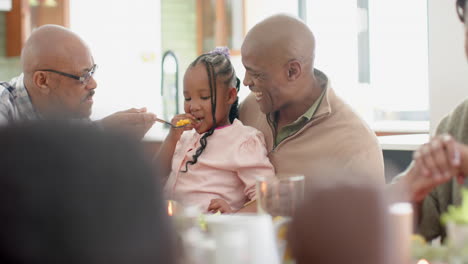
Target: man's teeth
258	95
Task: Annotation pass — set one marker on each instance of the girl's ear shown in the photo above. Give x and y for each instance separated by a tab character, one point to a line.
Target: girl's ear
232	95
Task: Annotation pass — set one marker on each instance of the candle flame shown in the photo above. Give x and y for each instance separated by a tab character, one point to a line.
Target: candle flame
169	208
423	261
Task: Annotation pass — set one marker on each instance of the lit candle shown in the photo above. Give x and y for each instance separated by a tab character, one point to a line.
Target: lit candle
169	208
423	261
401	217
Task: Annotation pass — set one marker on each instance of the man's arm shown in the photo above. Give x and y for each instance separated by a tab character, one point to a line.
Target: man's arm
435	164
438	165
134	122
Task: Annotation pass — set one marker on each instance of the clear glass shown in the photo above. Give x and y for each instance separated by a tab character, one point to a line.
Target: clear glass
280	196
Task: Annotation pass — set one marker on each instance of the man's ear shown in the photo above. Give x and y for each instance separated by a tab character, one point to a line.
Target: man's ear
232	95
294	70
41	81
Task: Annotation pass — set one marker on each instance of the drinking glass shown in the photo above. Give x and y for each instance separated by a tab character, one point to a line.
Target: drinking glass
280	196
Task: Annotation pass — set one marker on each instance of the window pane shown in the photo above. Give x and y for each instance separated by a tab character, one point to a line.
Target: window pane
399	55
375	54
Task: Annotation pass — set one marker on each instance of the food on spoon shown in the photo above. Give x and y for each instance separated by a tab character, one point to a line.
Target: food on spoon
183	122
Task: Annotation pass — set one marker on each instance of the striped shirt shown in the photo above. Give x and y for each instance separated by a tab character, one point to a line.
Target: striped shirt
15	103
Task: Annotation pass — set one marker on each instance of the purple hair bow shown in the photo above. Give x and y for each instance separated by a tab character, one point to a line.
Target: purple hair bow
221	50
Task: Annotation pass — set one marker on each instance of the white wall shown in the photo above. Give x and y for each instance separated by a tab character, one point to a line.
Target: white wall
336	45
125	38
5	5
448	71
256	11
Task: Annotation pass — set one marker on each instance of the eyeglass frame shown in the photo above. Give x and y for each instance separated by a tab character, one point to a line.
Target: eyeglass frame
84	79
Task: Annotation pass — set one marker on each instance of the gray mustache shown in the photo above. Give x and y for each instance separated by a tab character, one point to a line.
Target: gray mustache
91	93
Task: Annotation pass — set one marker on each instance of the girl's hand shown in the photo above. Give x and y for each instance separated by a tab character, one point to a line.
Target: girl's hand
219	205
176	133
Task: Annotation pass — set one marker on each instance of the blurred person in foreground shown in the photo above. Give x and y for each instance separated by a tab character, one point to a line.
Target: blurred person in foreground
57	83
73	194
350	224
430	182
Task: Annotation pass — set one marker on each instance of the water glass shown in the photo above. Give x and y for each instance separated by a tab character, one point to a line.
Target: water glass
280	196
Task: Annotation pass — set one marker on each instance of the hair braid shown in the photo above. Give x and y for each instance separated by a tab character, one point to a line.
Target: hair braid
234	111
216	65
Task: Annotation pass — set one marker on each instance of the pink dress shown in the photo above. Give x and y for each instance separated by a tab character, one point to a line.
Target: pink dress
234	156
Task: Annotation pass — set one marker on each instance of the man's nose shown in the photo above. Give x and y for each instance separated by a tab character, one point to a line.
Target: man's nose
247	81
92	84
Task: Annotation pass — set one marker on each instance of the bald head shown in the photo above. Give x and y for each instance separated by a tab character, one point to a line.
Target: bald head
54	59
281	37
52	47
278	55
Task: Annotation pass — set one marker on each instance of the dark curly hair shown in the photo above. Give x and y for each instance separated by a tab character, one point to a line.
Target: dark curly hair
217	66
460	6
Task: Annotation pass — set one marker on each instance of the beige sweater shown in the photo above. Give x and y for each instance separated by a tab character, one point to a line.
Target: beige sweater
335	141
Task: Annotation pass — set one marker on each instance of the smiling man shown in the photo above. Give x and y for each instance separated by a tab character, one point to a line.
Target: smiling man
307	127
57	83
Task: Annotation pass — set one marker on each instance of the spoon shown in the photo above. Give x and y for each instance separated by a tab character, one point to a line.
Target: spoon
169	123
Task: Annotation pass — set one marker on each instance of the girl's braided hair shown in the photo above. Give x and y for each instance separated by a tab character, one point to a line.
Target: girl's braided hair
218	65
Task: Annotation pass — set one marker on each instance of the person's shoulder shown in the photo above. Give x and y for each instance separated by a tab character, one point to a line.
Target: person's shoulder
239	126
8	88
336	127
463	104
6	93
455	122
247	133
460	110
343	112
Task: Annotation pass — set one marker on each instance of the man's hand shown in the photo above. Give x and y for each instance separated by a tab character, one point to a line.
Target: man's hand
219	205
134	122
435	163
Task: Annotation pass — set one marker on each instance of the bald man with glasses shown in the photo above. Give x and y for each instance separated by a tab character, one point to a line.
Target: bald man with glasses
57	83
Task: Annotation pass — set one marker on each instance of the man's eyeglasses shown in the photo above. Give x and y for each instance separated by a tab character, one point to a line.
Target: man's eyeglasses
84	79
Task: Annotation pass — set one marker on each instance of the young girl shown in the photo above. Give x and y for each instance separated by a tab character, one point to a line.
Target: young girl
214	160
